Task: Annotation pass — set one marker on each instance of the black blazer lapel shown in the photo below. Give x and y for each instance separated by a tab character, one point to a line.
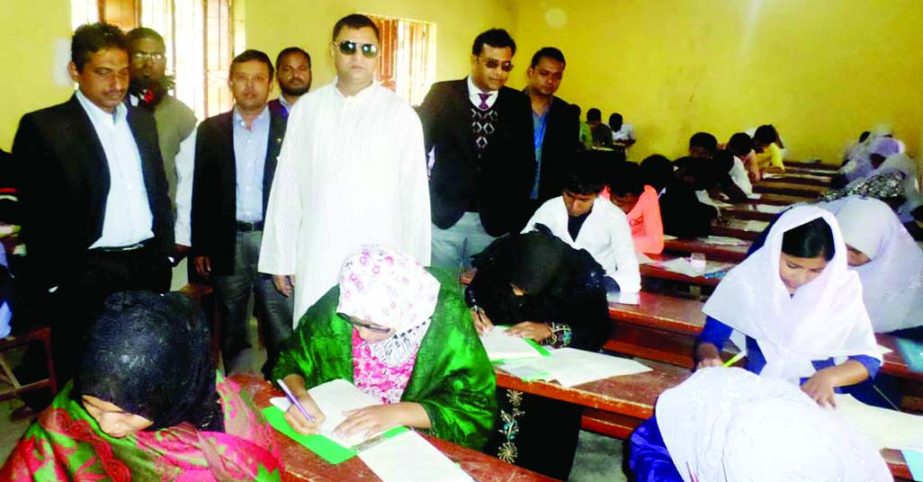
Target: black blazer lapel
277	126
89	163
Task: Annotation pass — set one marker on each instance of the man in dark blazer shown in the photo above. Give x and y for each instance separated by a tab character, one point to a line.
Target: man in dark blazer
556	126
480	135
234	165
96	215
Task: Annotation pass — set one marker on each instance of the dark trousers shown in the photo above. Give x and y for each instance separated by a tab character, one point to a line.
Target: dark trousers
233	296
74	306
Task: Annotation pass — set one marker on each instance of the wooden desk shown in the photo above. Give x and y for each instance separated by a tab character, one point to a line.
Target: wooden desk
781	199
752	211
652	271
805	178
813	165
739	228
719	252
684	317
615	406
775	187
301	464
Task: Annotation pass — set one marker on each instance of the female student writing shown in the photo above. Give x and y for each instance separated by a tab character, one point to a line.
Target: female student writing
798	307
887	259
402	334
145	405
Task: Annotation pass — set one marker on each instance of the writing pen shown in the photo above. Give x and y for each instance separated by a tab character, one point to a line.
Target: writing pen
736	358
291	397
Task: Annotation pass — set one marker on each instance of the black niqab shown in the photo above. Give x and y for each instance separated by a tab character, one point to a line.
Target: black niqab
149	354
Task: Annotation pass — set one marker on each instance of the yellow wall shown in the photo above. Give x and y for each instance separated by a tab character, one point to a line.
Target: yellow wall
274	25
821	71
28	32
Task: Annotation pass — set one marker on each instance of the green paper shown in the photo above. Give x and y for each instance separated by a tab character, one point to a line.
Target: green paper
539	348
914	461
321	445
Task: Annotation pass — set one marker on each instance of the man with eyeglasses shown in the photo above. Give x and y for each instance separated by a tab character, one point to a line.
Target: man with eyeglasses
555	123
176	122
96	217
293	74
235	162
352	172
480	135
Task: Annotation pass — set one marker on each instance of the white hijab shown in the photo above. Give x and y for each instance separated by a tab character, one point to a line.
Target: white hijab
729	425
892	282
824	318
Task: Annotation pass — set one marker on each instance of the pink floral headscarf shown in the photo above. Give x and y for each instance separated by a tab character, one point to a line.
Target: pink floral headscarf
387	288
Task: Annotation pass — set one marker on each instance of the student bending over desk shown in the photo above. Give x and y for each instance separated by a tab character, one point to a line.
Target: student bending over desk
552	294
402	334
145	405
799	308
727	425
640	204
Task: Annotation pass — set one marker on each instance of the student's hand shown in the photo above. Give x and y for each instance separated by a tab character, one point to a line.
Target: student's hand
284	284
709	362
481	322
203	266
531	330
297	421
820	388
374	419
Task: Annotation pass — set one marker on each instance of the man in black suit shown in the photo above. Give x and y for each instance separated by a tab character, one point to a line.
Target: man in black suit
556	126
234	165
96	215
480	135
293	73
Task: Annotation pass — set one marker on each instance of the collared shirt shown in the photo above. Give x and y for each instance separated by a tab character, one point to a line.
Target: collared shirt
475	99
284	103
250	155
127	219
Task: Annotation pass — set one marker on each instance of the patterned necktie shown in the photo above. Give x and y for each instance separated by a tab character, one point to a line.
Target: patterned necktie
484	98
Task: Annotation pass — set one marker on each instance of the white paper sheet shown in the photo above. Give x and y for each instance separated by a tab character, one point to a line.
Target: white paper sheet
501	346
884	350
756	226
886	428
571	367
684	266
408	457
724	241
755	195
334	398
770	208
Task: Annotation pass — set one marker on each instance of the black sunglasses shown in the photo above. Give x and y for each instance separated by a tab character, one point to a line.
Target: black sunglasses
494	63
348	47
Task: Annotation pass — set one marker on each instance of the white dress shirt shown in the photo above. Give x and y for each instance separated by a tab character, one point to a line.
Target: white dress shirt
605	235
475	99
127	219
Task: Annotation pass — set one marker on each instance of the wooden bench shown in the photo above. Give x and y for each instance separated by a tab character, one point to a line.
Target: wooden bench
655	272
302	464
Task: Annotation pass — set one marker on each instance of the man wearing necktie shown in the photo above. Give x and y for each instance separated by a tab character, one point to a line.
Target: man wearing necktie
480	135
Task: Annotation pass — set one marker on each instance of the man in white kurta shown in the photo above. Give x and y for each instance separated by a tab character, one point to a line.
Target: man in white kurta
352	171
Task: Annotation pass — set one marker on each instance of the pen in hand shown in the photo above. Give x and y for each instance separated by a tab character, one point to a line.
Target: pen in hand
291	397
